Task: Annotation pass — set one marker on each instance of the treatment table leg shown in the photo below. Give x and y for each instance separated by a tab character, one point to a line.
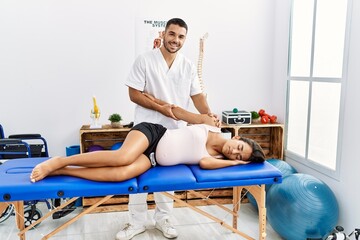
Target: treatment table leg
259	194
222	223
74	219
3	206
262	213
236	204
210	201
23	231
19	213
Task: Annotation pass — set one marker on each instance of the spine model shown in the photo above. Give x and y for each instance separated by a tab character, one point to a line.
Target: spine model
200	61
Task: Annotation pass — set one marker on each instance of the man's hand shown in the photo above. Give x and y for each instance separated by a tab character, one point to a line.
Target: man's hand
166	110
213	115
216	119
211	120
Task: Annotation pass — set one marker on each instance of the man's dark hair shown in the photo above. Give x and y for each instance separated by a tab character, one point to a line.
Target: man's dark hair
257	154
176	21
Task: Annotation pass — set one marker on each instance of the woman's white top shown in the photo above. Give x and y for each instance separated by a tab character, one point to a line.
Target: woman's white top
184	146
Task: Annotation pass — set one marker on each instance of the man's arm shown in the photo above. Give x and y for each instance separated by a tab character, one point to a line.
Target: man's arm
182	114
195	118
141	99
200	103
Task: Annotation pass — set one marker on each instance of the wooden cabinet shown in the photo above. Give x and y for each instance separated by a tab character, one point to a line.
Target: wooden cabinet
269	136
104	137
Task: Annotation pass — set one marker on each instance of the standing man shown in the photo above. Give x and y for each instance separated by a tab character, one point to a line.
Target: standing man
169	76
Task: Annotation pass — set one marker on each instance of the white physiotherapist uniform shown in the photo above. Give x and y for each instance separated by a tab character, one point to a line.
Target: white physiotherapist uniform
151	74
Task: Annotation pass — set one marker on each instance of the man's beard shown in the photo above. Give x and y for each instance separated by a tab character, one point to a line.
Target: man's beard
168	49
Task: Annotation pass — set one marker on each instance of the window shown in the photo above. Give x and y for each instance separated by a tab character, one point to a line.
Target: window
315	80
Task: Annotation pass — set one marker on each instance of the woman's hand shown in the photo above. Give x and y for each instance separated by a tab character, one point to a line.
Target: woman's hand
214	163
239	162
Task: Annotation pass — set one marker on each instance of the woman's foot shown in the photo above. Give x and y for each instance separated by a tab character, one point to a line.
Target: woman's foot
43	170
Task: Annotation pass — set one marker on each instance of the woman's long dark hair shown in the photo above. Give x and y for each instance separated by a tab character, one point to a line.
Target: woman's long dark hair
257	154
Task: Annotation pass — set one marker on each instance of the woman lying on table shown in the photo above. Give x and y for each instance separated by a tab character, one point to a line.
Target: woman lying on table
148	144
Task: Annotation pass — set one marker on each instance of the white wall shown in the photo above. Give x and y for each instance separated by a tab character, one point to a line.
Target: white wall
54	55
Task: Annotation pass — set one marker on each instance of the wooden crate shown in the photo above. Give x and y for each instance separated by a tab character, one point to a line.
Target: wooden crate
105	137
269	136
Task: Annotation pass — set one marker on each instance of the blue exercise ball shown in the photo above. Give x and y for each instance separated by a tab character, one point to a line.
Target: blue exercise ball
94	148
285	168
302	207
116	146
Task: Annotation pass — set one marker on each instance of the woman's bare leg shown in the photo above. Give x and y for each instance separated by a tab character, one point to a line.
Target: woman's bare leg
108	174
133	147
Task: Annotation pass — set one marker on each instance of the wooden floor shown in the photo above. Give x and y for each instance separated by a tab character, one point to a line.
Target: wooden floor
104	226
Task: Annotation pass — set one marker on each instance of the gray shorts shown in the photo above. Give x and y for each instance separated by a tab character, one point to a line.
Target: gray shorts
153	133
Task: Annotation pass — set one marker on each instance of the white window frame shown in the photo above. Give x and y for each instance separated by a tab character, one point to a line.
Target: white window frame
291	155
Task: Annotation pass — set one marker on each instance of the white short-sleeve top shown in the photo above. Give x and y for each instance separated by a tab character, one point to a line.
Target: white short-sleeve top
184	146
151	74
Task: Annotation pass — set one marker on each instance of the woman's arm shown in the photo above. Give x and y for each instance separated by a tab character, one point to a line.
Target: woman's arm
182	114
146	101
214	163
195	118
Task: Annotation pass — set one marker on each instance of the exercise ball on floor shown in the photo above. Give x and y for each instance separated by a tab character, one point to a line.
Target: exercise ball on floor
285	168
302	207
116	146
94	148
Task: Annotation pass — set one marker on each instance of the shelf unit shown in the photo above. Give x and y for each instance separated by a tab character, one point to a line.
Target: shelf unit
105	137
269	136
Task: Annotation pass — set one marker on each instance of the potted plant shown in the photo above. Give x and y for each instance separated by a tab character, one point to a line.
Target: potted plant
115	120
255	117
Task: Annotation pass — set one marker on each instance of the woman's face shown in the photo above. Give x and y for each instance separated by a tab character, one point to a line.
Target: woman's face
235	149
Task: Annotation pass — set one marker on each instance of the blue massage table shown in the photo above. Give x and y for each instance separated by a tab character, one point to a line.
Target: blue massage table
15	188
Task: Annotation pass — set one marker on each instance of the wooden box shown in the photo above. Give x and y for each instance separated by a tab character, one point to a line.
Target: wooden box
269	136
105	137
